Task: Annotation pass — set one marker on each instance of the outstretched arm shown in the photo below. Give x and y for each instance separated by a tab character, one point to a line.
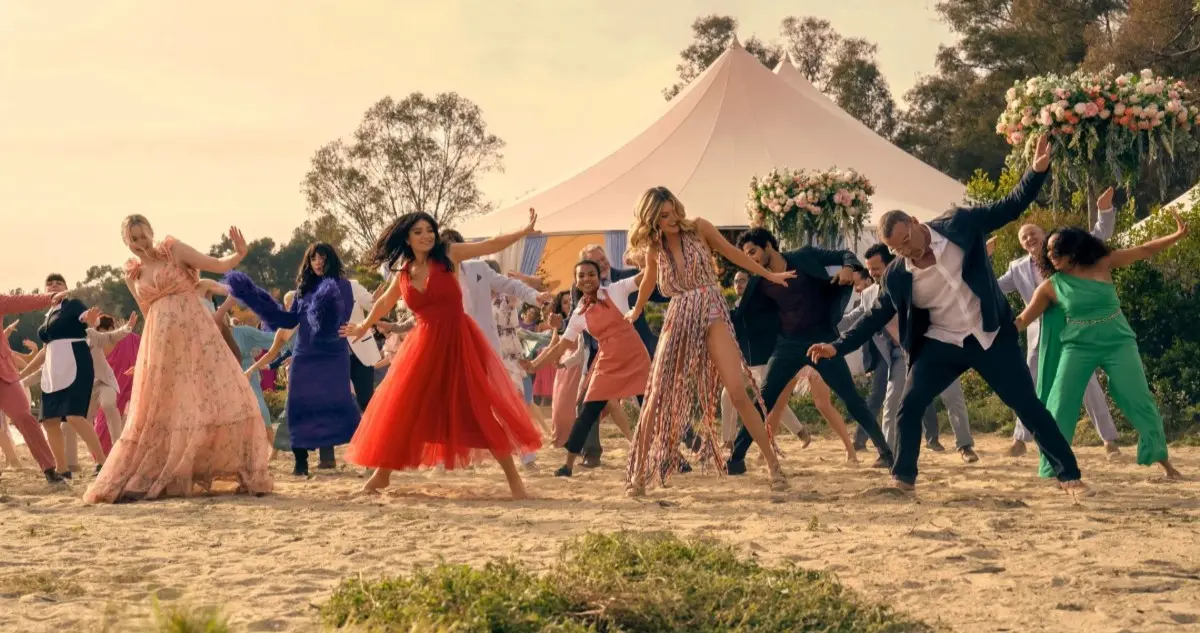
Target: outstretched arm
992	217
193	258
462	252
1106	219
503	285
874	321
718	243
1127	256
16	304
383	305
262	303
1038	303
280	339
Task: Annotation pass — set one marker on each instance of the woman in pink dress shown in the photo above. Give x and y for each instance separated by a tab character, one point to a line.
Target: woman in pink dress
121	357
193	417
622	364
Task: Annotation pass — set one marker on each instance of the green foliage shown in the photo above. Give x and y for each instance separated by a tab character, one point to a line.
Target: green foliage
184	619
624	582
276	400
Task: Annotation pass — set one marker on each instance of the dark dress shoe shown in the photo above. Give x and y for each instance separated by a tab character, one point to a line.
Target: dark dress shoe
564	471
736	467
935	446
968	455
883	462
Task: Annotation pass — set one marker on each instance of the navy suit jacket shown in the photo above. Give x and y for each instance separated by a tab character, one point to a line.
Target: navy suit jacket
968	229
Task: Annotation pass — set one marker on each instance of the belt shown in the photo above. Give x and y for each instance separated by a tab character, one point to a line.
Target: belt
1094	321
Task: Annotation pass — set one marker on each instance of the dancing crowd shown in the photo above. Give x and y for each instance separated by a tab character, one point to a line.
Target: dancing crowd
169	412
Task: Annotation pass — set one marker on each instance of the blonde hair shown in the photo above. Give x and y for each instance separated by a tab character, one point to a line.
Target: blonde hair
648	212
288	299
131	221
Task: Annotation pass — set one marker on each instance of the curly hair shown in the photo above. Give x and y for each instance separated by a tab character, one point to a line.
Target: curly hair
1073	243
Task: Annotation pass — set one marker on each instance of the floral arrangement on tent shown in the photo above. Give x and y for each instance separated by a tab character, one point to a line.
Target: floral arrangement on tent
1106	127
811	207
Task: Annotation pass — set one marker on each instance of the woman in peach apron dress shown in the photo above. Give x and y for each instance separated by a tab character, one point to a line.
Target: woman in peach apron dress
622	364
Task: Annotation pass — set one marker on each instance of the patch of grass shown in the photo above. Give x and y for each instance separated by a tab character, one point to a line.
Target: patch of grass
185	619
42	583
627	583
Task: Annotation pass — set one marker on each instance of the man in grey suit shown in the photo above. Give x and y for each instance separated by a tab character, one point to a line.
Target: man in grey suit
1023	278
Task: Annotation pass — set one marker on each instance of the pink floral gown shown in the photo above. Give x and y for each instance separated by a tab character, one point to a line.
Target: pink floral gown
192	417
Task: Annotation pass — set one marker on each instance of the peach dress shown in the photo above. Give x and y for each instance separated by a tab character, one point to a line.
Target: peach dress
192	416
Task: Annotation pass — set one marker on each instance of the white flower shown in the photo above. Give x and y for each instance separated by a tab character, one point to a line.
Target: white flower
1147	73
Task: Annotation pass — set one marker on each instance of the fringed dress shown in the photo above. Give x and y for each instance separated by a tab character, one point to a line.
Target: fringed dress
684	386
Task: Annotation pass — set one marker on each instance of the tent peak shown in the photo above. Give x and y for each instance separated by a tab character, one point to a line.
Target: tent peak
734	43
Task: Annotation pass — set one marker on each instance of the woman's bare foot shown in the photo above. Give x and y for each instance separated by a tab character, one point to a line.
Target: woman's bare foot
379	480
1112	450
851	457
901	485
634	491
1075	488
519	493
805	436
779	481
1170	470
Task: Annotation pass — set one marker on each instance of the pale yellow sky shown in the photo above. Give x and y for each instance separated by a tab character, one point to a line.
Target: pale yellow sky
200	115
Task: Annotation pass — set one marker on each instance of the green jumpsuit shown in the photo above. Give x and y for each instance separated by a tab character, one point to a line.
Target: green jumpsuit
1084	331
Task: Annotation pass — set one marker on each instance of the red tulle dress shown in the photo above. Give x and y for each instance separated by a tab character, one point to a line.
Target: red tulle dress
447	399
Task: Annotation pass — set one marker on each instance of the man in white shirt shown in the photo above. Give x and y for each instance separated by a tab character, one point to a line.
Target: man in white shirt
953	317
364	353
1023	278
895	368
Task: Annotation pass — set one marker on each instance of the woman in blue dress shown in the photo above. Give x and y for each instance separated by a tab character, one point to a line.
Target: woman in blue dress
250	340
321	410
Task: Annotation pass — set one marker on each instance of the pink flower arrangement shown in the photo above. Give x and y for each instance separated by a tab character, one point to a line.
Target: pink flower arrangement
810	205
1105	126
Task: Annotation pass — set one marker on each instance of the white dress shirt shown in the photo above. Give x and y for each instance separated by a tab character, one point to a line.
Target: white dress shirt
954	310
617	292
365	350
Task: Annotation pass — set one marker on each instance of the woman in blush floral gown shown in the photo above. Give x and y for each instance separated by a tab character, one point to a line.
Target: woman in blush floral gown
192	416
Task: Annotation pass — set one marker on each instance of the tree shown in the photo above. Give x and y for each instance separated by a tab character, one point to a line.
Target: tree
711	36
417	154
845	69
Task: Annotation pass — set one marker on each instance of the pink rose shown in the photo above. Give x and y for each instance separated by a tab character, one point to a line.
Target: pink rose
1119	109
1105	113
1045	118
1080	108
1122	81
1016	137
1091	110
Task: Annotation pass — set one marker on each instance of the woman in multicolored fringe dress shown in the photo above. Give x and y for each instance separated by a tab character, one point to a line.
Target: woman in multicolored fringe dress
697	353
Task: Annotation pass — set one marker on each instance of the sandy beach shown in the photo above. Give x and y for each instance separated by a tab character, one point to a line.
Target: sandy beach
982	547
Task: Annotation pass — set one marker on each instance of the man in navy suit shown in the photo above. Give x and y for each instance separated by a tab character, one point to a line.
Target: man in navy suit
954	317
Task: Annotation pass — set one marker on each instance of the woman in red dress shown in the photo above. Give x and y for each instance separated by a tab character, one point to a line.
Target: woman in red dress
447	399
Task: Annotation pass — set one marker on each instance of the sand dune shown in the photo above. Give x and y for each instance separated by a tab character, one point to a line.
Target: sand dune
985	547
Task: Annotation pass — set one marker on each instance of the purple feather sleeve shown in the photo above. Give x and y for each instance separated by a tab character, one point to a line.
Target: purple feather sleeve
260	302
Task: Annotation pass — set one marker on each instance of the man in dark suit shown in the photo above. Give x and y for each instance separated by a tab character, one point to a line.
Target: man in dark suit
594	252
804	312
954	317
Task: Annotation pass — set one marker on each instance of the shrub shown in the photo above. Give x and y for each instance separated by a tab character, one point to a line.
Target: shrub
614	583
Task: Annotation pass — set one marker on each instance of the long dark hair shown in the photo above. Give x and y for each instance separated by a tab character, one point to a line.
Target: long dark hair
392	246
306	278
1083	248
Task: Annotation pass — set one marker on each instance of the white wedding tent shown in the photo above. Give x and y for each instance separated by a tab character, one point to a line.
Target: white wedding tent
734	121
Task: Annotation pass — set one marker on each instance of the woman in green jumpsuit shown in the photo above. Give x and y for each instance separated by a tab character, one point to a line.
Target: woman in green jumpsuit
1083	329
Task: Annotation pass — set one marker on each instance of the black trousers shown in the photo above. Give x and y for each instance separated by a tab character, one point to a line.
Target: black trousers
325	455
586	424
789	357
1002	366
363	379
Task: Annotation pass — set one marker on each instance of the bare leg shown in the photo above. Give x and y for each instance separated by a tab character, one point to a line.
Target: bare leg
728	360
617	413
84	430
513	475
822	398
54	435
8	446
107	398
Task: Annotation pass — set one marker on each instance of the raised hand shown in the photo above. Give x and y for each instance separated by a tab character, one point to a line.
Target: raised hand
556	321
239	241
91	316
1105	201
1181	227
544	298
633	314
11	326
531	228
59	297
30	345
1041	157
781	278
132	322
991	246
821	351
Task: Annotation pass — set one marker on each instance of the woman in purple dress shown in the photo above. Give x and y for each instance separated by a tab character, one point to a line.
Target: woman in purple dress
321	410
